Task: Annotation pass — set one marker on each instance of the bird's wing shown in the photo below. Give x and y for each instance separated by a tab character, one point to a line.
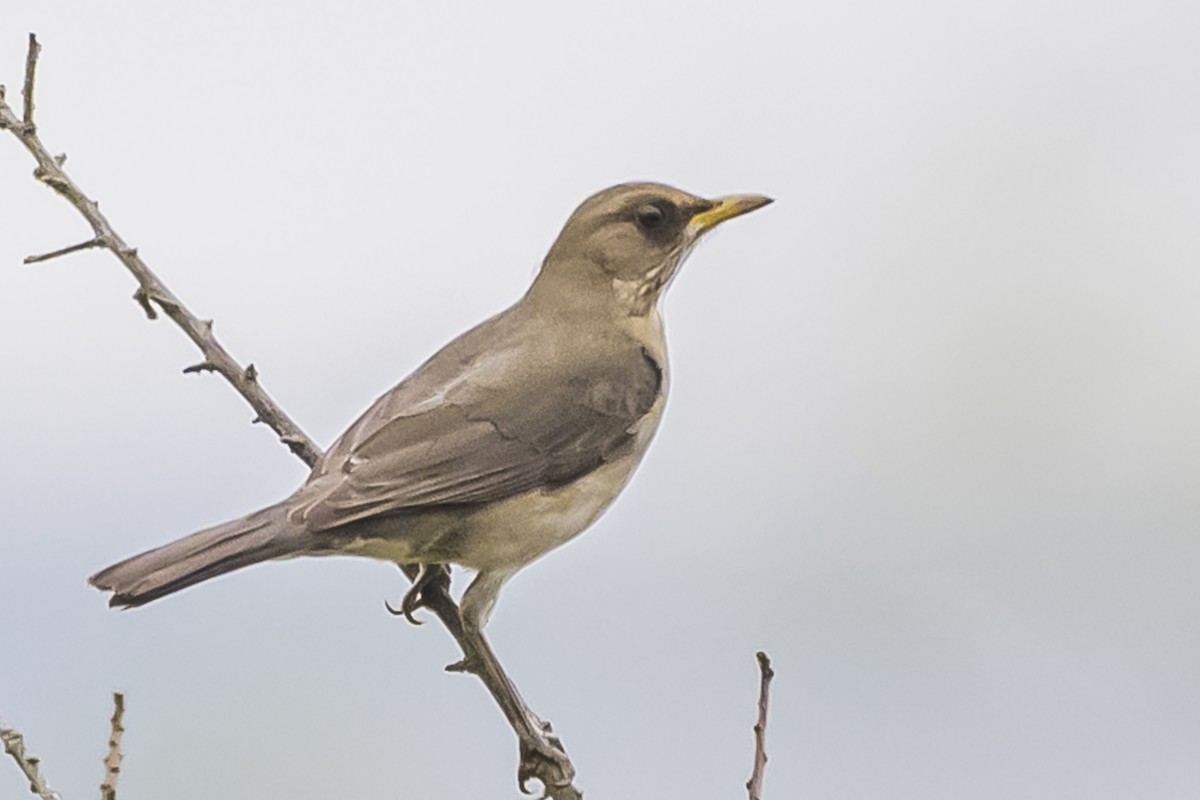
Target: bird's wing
503	427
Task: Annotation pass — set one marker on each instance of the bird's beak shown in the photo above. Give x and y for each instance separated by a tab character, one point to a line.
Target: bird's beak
724	208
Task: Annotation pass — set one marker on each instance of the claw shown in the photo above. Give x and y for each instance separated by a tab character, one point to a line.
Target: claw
413	599
544	761
410	602
405	610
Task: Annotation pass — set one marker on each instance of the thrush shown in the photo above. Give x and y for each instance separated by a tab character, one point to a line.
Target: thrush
509	441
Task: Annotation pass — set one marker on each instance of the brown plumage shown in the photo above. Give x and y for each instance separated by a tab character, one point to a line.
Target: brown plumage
509	441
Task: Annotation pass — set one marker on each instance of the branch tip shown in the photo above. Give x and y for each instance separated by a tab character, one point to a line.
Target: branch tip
754	785
114	756
31	57
764	665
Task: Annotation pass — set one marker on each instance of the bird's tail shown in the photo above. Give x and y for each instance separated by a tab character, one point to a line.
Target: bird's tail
205	554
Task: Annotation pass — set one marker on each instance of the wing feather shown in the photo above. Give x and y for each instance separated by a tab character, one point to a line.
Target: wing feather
487	433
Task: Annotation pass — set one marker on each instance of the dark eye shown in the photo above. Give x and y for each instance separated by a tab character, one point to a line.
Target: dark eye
650	217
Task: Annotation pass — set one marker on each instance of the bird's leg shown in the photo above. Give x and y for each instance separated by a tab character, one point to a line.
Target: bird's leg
541	751
424	579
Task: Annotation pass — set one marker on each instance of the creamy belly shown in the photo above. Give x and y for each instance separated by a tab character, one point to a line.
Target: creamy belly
510	534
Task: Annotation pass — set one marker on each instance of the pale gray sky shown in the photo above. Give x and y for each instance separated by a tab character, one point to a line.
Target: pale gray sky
933	438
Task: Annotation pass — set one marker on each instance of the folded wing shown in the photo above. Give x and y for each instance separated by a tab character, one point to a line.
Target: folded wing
483	436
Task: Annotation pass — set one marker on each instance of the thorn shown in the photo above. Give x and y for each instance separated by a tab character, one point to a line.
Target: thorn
203	366
257	420
467	665
128	252
207	325
250	373
143	299
60	159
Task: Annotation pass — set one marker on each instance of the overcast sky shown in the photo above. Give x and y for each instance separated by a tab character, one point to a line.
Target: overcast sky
933	440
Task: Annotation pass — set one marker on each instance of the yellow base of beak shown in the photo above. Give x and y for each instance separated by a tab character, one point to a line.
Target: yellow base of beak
727	208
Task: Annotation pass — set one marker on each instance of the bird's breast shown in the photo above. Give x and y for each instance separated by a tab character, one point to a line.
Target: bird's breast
516	531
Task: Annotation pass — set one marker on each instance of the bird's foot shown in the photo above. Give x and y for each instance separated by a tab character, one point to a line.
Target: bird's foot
428	577
544	759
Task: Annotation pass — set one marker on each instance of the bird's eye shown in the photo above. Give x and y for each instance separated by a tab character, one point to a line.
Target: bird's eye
649	217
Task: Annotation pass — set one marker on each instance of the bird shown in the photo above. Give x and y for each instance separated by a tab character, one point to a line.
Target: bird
506	443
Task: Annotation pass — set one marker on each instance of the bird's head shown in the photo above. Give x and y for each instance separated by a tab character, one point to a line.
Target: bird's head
633	237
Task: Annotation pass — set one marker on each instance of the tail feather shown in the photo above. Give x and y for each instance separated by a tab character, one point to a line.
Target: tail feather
260	536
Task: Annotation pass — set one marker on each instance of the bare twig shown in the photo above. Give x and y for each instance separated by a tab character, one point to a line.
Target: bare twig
31	58
14	745
112	759
150	289
541	752
62	251
754	785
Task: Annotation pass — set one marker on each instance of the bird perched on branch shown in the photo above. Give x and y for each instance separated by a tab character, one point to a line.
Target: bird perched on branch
509	441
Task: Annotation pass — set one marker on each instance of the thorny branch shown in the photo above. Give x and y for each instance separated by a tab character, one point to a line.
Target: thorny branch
542	755
14	745
151	291
754	785
112	759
